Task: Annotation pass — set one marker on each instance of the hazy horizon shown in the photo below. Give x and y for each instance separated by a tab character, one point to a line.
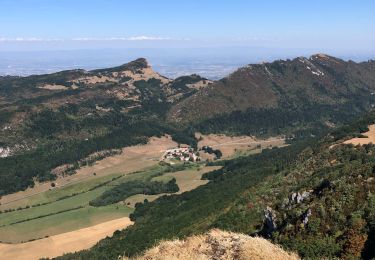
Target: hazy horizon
210	38
213	63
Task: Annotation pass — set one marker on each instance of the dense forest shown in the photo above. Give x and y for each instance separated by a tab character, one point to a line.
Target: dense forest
17	172
296	122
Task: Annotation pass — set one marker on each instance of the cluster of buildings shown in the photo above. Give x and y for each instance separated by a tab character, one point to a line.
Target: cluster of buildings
185	154
4	152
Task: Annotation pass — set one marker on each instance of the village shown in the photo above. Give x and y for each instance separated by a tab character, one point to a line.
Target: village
186	153
183	153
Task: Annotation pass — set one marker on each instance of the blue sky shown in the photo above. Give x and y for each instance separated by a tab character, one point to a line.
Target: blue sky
345	25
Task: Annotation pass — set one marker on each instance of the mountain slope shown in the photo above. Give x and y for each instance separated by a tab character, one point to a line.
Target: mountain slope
50	120
130	88
322	208
298	88
314	198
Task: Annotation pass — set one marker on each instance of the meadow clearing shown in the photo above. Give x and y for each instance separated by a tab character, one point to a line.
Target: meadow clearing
186	180
231	146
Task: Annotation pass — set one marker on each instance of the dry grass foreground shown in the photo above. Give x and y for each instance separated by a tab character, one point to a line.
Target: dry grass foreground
366	140
63	243
132	158
218	245
229	145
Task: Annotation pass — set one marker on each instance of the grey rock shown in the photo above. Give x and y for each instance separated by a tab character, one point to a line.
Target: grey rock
299	197
305	216
269	221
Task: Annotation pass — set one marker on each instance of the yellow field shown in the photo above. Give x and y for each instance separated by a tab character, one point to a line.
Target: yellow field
63	243
235	145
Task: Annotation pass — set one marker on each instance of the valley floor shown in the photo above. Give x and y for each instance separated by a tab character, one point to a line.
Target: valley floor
55	219
133	158
63	243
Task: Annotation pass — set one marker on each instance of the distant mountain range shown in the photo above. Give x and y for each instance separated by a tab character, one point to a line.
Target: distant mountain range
211	63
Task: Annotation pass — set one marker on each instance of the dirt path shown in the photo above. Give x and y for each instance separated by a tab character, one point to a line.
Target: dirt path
63	243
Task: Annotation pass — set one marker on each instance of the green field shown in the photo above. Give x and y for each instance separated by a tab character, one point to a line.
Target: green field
61	223
187	180
55	194
68	209
79	187
58	206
